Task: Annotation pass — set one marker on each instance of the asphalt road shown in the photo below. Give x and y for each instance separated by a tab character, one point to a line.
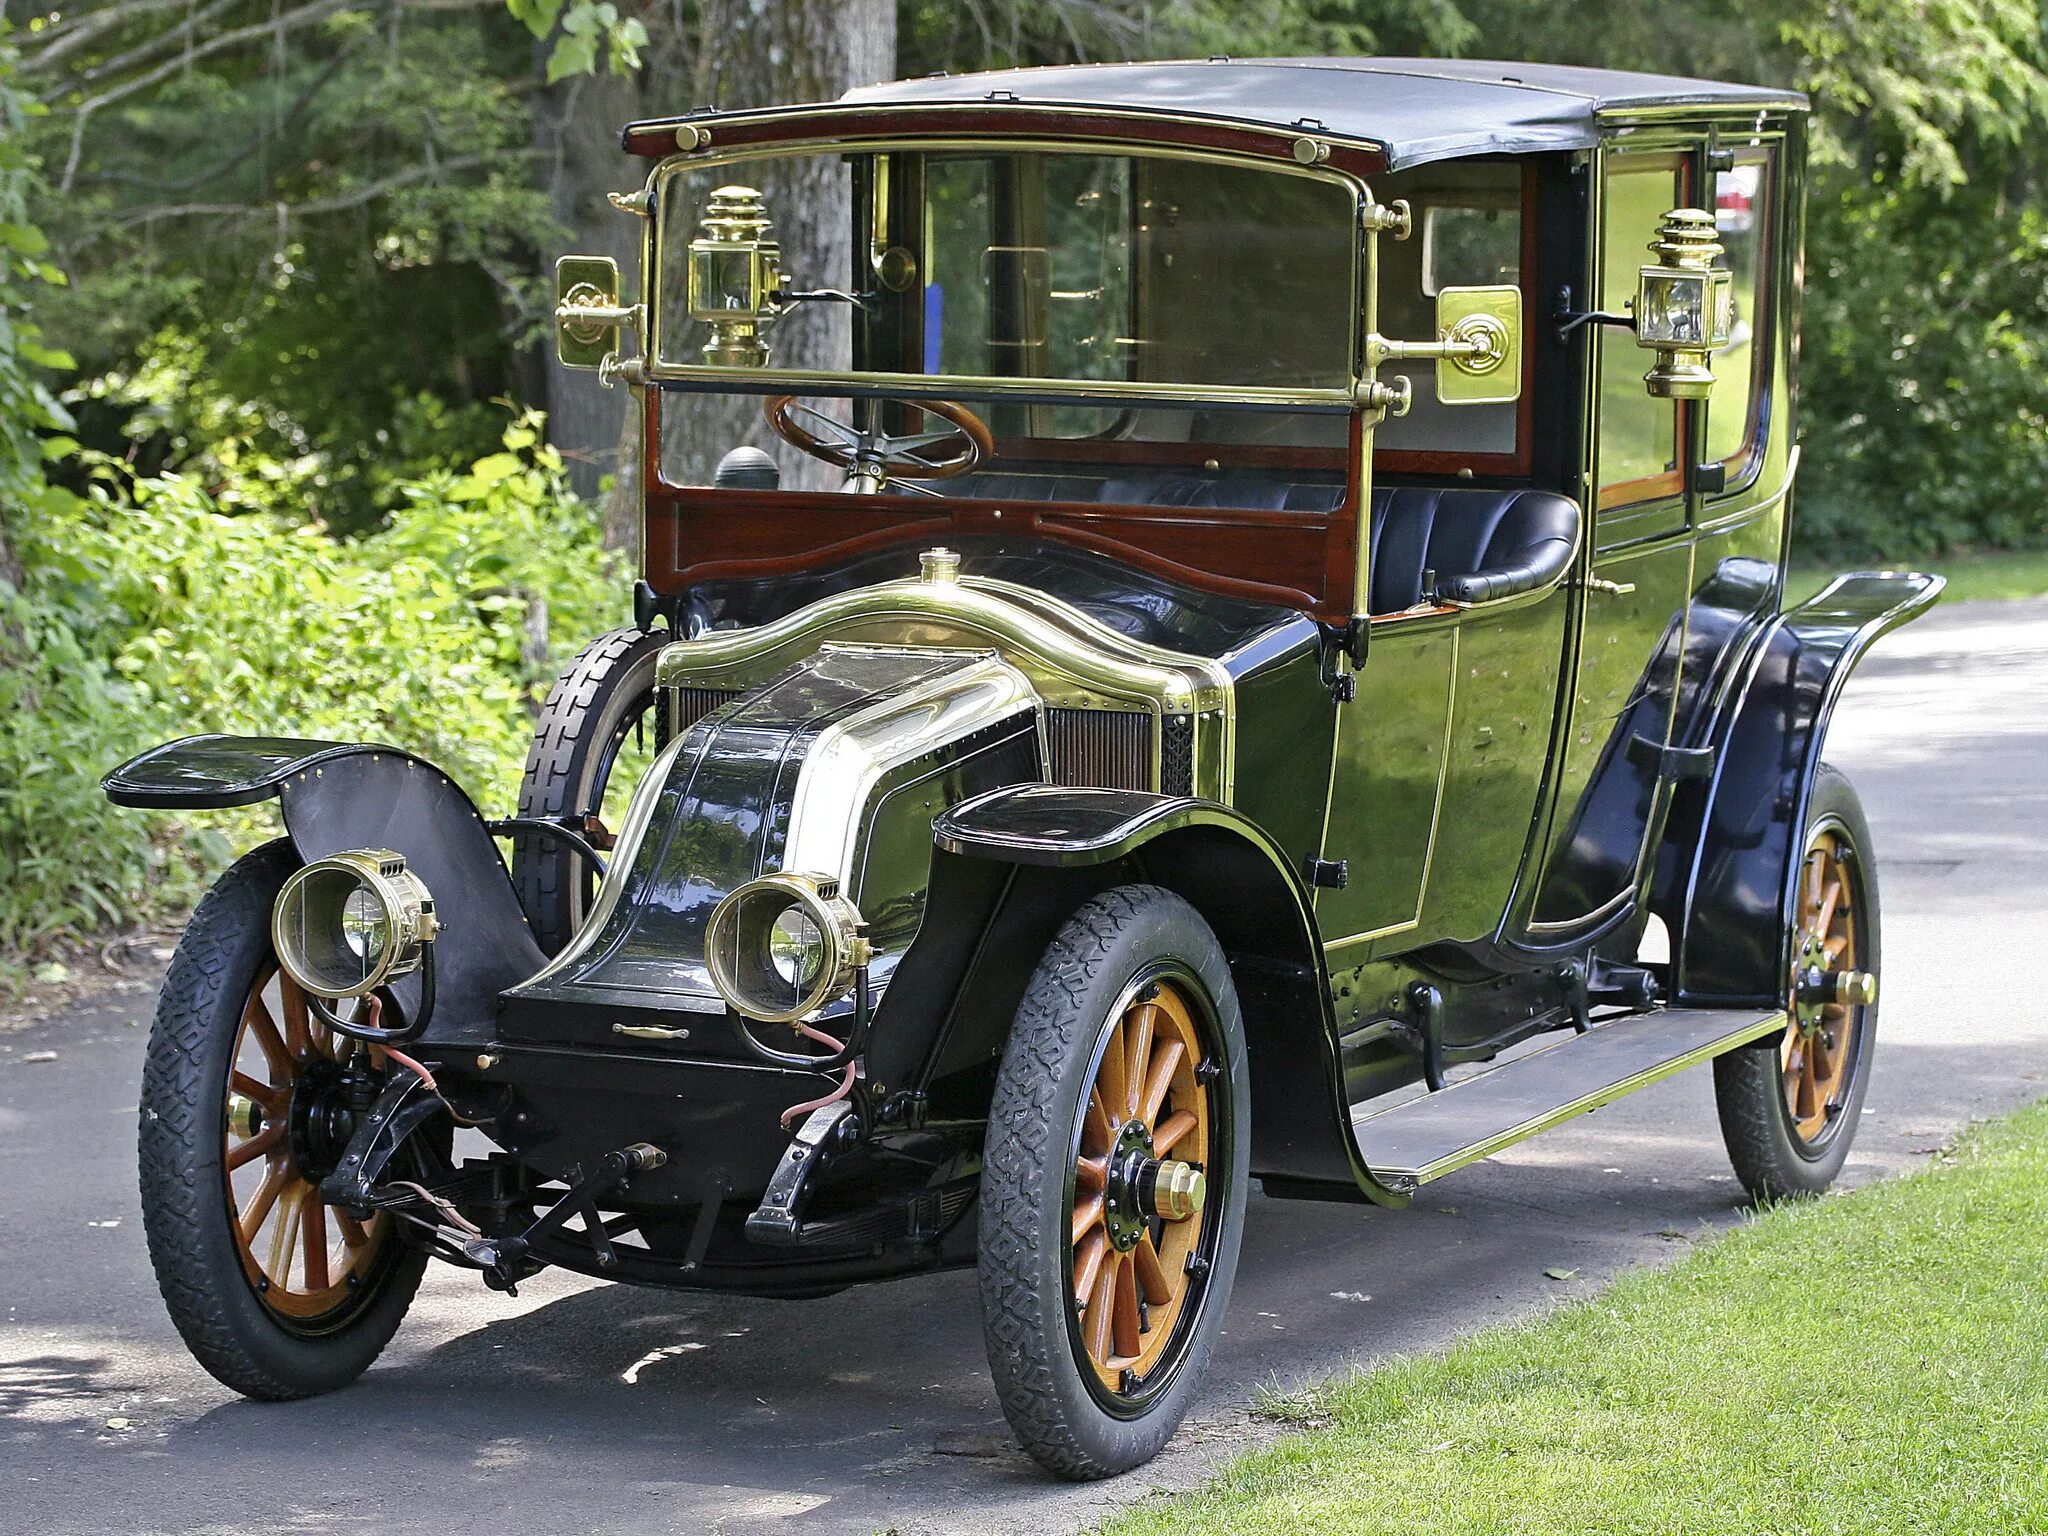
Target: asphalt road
584	1407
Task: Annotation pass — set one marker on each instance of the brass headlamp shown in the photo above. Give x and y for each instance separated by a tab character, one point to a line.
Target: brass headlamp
346	925
735	277
783	946
1684	306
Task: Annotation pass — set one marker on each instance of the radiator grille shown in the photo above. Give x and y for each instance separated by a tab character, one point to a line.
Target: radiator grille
1102	748
689	705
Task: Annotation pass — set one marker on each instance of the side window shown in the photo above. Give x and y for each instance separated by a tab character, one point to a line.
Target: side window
1638	436
1743	200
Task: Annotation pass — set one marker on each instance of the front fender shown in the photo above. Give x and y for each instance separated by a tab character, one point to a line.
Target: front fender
1010	866
335	796
1727	894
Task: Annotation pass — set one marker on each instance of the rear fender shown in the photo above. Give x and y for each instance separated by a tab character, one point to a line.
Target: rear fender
1010	866
1726	885
335	796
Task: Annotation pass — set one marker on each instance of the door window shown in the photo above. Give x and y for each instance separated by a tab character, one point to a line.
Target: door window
1638	435
1743	198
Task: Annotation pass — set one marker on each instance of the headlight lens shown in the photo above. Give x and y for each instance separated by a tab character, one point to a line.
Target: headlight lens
346	925
784	946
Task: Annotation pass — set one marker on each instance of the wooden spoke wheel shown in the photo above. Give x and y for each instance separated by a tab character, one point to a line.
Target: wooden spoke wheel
1789	1102
1821	1038
1112	1191
247	1103
1140	1181
284	1124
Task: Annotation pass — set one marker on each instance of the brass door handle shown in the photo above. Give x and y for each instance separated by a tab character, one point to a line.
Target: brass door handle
650	1032
1602	584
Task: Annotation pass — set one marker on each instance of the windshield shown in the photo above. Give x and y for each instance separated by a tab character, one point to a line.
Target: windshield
1024	265
1126	328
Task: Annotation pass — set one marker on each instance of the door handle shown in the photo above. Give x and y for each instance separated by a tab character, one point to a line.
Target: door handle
650	1032
1602	584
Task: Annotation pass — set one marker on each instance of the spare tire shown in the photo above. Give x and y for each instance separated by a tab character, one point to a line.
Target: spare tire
597	732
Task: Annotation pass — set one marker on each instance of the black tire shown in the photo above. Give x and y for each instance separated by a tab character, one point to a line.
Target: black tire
606	692
187	1217
1116	946
1772	1158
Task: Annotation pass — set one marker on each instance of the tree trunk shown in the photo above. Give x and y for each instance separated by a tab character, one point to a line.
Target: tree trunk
577	124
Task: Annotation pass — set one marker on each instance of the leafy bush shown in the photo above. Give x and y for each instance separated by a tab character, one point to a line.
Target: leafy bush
153	614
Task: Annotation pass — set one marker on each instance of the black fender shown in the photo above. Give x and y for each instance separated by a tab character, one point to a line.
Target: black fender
1010	866
1726	884
335	796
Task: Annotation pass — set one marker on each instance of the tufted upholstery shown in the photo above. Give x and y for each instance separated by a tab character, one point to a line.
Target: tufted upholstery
1482	544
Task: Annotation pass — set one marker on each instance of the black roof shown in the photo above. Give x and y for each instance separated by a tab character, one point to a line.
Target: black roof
1416	110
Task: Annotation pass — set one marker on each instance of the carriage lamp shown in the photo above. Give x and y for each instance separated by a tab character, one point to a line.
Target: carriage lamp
735	276
1684	306
346	925
783	946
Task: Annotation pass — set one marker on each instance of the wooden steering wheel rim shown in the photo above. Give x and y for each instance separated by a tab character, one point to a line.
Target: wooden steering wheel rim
979	443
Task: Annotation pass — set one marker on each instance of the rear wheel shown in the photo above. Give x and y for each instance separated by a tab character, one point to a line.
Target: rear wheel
596	735
1112	1200
1789	1103
247	1100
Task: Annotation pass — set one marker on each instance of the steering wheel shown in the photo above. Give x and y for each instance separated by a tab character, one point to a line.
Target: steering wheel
871	458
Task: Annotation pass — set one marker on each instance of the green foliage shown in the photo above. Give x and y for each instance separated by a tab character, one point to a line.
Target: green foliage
1868	1364
157	614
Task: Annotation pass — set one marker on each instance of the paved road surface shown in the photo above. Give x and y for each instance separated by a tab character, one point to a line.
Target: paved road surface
582	1407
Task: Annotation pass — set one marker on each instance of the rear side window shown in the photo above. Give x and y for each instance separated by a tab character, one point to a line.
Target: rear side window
1744	203
1638	434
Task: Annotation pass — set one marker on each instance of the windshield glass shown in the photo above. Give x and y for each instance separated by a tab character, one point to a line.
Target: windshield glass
1119	269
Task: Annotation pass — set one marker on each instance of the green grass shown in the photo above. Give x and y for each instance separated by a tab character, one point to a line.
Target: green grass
2004	574
1871	1363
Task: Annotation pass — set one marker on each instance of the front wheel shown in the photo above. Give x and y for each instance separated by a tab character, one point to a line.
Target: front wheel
247	1102
1789	1103
1113	1190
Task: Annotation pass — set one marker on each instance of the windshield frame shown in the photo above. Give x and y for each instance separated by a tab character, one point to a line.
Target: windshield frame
771	380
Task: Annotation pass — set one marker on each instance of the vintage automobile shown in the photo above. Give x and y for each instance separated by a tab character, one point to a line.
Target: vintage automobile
1198	623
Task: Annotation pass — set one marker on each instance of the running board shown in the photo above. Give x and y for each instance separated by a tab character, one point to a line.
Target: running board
1428	1137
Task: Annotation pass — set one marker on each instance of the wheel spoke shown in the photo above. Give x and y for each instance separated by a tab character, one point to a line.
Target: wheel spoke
1091	1173
1100	1306
1152	1275
1126	1325
260	1203
1830	902
353	1232
284	1237
260	1024
1177	1125
296	1032
267	1094
1088	1265
1110	1077
1809	893
1833	947
1140	1058
1165	1062
314	1241
1096	1134
256	1146
1087	1213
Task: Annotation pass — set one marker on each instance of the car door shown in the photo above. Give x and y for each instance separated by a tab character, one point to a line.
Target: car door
1626	670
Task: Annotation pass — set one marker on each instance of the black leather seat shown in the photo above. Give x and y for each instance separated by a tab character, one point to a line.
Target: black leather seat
1483	544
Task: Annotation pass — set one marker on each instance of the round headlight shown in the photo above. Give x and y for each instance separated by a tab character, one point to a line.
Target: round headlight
783	946
346	925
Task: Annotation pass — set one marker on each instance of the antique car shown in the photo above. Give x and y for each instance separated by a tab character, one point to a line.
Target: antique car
1198	623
